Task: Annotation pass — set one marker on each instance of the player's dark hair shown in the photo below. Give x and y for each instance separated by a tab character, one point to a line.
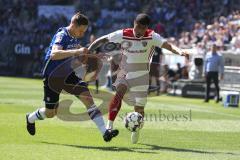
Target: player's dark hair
80	19
143	19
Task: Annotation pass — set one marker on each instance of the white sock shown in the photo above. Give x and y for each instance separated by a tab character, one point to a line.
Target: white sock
109	124
96	115
39	114
100	124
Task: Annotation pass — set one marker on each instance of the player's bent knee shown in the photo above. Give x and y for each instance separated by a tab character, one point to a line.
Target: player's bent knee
121	89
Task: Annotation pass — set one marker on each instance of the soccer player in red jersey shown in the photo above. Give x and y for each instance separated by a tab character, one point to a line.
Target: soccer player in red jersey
137	47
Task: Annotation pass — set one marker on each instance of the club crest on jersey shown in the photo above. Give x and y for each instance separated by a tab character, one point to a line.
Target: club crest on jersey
59	38
126	44
144	43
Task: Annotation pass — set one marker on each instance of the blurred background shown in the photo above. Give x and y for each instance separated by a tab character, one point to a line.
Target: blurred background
27	27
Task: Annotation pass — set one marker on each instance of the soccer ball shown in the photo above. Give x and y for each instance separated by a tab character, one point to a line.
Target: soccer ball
133	121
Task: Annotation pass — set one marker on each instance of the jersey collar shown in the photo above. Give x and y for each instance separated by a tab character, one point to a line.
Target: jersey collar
136	36
68	32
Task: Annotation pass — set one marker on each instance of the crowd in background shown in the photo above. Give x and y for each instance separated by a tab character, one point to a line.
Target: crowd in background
224	31
186	23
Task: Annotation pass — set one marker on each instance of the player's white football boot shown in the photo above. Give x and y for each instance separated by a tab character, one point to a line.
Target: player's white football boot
135	137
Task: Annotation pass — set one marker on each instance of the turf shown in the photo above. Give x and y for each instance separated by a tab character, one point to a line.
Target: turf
176	129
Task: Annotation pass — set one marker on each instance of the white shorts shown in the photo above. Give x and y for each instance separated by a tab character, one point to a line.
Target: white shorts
137	87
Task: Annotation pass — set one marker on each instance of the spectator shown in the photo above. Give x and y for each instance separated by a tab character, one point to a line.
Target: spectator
167	78
194	21
213	66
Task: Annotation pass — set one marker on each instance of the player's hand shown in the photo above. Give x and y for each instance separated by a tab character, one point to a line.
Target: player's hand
102	56
83	50
185	54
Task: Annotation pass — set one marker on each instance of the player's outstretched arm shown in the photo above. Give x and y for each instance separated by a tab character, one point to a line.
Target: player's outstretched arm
58	53
97	43
174	49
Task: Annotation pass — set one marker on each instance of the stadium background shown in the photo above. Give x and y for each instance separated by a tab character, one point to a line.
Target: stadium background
210	132
27	26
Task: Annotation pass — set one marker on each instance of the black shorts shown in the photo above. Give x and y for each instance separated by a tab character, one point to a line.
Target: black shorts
53	86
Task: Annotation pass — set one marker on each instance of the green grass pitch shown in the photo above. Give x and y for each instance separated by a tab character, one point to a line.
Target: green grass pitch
199	131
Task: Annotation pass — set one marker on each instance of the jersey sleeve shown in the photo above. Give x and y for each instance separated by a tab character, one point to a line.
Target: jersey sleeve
60	39
116	36
158	40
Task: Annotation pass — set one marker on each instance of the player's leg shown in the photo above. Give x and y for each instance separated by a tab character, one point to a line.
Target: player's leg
96	116
51	99
94	113
115	104
97	85
81	91
135	135
157	75
158	85
39	114
140	102
150	83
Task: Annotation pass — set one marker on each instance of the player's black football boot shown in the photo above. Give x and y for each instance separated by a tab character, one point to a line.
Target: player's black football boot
109	134
30	126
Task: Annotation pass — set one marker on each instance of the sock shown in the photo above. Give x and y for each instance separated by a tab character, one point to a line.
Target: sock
114	107
96	115
109	124
39	114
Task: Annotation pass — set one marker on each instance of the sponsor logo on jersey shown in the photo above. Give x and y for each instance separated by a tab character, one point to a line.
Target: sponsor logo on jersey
71	46
136	51
59	38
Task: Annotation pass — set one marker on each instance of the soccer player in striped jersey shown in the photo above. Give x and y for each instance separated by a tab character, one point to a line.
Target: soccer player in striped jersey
137	46
58	75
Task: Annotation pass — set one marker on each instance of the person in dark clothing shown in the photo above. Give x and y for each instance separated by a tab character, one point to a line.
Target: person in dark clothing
179	71
155	68
214	65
